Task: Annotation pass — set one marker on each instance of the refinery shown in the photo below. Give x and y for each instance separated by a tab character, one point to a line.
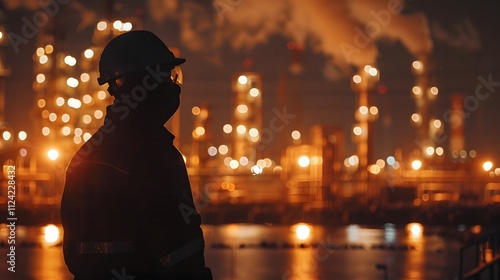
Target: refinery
232	169
323	139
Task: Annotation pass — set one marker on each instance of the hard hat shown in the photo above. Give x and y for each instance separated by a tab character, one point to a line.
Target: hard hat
132	52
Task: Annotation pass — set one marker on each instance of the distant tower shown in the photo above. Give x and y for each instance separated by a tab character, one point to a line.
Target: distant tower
428	127
296	51
202	136
296	90
457	139
247	115
331	141
364	83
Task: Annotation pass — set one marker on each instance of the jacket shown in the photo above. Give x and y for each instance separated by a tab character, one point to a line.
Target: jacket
127	205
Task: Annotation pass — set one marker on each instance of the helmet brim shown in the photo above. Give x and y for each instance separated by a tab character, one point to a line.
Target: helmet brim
178	61
172	62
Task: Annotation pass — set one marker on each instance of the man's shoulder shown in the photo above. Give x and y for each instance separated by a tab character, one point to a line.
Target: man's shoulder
102	148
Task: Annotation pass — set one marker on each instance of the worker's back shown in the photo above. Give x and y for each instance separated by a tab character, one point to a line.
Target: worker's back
127	207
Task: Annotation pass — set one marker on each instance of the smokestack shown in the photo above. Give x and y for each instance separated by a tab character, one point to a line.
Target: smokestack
365	114
296	51
202	136
246	118
424	95
457	139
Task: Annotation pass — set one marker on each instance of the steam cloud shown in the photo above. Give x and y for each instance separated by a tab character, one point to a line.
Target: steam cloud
412	30
344	31
462	35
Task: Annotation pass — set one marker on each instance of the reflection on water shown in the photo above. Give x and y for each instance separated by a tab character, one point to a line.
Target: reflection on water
415	264
51	235
301	251
415	230
352	233
304	263
351	252
302	231
38	253
389	233
46	236
49	265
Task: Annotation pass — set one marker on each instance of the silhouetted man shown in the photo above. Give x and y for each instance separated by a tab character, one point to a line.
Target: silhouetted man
127	207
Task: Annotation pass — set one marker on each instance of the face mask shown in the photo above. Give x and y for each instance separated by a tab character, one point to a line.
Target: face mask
162	102
157	105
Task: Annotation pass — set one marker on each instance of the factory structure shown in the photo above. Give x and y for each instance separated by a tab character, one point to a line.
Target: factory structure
313	173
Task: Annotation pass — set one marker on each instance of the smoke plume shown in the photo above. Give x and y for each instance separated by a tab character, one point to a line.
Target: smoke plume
412	30
461	35
344	31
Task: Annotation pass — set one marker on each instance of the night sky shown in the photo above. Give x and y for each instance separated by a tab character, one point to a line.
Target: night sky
465	45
